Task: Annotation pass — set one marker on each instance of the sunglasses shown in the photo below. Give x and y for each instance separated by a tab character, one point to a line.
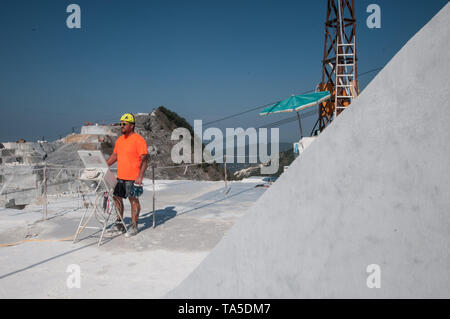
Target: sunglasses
124	124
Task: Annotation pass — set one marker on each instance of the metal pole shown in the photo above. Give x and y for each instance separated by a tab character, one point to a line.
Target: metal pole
153	180
45	192
225	174
300	125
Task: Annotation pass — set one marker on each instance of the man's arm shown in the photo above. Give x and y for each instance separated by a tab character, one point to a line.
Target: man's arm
144	163
112	159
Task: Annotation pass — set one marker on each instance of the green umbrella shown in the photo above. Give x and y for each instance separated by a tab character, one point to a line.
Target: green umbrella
297	103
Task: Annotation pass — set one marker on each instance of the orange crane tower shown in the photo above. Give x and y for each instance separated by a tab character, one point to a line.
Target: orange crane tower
340	68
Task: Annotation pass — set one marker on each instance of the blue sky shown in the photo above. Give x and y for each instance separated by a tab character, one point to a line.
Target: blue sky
201	59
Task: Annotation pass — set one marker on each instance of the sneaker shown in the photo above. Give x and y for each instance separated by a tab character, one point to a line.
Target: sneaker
118	227
132	230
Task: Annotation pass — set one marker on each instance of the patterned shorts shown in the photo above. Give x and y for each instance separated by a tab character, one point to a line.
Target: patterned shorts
123	188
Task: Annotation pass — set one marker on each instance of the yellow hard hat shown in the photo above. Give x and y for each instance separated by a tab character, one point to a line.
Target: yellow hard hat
128	117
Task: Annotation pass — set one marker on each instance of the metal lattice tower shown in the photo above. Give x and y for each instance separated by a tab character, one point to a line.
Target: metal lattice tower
340	68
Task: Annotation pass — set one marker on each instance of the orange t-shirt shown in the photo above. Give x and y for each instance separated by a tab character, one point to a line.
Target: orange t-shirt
129	151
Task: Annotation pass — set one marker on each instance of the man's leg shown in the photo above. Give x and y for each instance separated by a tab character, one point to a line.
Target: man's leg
118	225
118	201
135	209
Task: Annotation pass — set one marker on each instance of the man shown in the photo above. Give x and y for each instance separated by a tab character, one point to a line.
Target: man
130	152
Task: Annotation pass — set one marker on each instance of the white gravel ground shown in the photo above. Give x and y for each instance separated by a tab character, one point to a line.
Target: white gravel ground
191	218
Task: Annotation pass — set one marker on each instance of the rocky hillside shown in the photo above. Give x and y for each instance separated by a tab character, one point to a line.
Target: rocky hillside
157	128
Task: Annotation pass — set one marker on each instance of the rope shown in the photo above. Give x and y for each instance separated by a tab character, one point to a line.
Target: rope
213	159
